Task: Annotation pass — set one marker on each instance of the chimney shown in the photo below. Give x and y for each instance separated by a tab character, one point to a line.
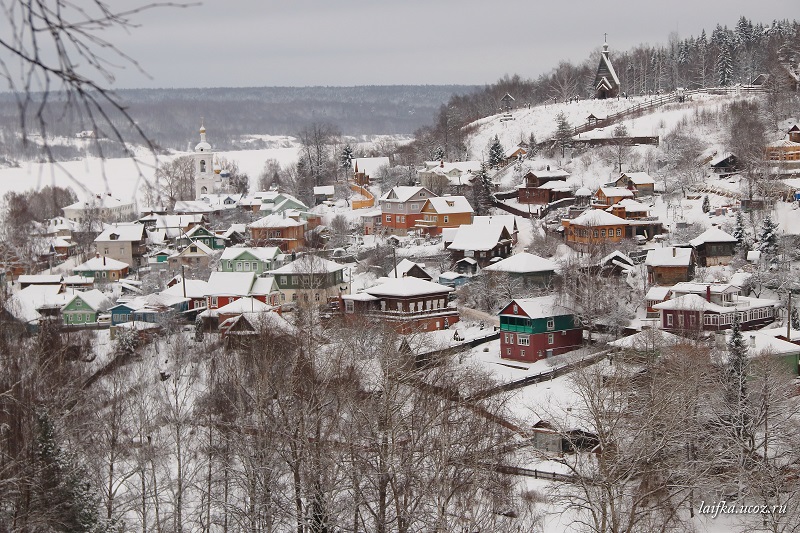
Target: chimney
441	163
673	251
708	293
97	255
548	167
104	260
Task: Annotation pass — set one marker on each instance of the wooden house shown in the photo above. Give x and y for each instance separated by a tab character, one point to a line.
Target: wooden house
83	308
693	312
714	247
258	260
195	255
401	208
481	243
444	212
536	187
123	242
607	196
311	278
536	328
102	269
725	164
595	228
640	182
406	267
408	304
286	233
666	266
202	234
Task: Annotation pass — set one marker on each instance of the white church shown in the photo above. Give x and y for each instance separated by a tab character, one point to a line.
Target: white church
207	179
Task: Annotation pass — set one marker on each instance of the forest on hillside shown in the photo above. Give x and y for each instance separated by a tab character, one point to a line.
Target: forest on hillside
725	57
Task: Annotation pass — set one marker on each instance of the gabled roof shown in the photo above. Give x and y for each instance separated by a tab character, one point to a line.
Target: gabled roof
450	204
721	158
101	263
509	221
263	253
403	267
639	178
95	299
276	221
124	232
243	305
24	304
669	256
631	206
403	193
309	264
598	217
264	286
523	263
551	174
657	293
479	237
230	283
692	287
40	279
195	288
712	235
103	201
200	247
541	307
407	286
648	340
615	192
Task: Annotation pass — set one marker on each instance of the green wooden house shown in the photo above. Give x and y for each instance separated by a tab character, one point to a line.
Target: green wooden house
258	260
202	234
83	308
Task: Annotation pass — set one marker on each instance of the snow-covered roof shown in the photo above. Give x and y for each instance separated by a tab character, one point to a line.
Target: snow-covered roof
200	247
407	286
509	221
657	293
323	190
648	339
542	307
583	191
230	283
695	302
720	158
451	275
264	253
477	237
669	256
450	204
598	217
360	297
98	263
693	287
639	178
124	232
309	264
448	234
555	185
94	299
551	174
614	192
243	305
24	304
195	288
103	201
403	193
264	285
403	267
40	279
523	263
192	206
712	235
275	221
370	165
631	206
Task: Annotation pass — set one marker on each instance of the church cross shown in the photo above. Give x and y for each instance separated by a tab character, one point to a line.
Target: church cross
605	37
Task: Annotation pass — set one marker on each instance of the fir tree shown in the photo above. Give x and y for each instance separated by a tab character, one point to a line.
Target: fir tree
533	148
795	318
482	191
496	153
768	238
563	134
438	154
739	232
706	204
346	157
735	390
725	66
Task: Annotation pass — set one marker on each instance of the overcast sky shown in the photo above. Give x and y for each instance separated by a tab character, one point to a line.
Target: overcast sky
241	43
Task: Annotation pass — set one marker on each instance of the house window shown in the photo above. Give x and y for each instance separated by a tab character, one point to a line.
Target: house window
104	274
669	319
283	297
294	297
602	233
523	340
596	233
230	264
680	320
515	309
692	320
551	323
550	338
619	232
402	219
247	266
522	353
508	351
213	301
78	303
388	218
316	297
414	207
446	219
283	280
348	306
294	280
238	266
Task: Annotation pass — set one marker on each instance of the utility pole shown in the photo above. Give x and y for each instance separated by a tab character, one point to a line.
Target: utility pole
183	279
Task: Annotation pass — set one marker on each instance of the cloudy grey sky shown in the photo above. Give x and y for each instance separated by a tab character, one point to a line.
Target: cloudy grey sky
356	42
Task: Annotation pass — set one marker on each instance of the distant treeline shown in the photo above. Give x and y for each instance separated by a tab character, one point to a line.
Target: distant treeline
171	117
725	57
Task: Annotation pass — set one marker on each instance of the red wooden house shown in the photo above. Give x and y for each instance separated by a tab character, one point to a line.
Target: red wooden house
535	328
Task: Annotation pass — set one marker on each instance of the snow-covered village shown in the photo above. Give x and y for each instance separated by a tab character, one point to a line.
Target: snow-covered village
563	304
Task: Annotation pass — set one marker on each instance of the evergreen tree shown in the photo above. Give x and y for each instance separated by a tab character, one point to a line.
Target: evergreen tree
795	318
346	157
739	232
563	134
533	148
768	238
496	153
725	66
62	492
438	154
735	392
706	204
482	191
